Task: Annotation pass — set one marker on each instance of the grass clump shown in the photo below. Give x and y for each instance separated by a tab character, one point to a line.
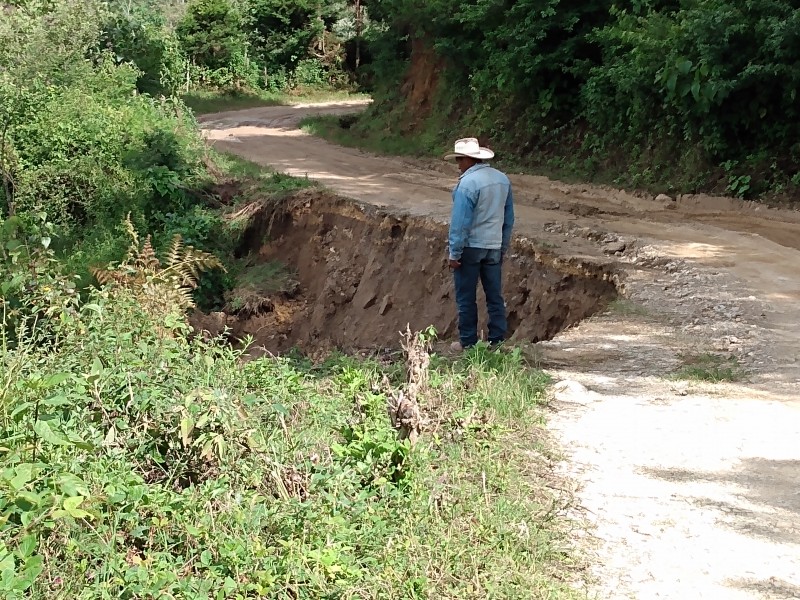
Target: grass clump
257	285
356	131
210	101
713	368
624	306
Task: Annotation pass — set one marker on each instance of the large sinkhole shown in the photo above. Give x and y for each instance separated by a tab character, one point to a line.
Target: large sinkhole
328	272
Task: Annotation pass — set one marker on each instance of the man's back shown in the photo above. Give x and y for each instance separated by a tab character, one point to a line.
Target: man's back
488	191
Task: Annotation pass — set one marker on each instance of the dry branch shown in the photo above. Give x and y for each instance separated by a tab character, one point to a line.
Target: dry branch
403	405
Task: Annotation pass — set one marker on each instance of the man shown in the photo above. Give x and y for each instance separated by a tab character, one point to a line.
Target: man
480	235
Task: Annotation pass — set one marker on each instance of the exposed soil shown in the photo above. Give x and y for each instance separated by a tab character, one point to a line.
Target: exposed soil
419	87
689	490
365	274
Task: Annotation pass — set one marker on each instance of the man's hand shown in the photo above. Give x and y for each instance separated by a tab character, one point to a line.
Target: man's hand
454	264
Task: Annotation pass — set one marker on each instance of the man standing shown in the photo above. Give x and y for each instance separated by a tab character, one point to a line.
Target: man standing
480	235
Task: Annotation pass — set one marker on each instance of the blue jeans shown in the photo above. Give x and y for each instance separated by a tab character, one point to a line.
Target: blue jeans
479	263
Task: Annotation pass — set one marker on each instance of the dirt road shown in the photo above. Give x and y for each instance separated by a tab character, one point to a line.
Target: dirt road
692	489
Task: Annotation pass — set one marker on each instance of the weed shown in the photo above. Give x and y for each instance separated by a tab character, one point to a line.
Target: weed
624	306
255	181
257	284
714	368
362	132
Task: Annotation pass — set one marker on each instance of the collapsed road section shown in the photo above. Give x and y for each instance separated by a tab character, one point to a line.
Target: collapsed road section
360	274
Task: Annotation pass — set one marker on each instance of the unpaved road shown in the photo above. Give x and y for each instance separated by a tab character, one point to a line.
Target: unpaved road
691	490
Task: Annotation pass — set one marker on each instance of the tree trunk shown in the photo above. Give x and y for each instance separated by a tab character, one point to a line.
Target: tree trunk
359	24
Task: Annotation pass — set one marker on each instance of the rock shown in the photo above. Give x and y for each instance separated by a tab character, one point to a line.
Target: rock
681	389
386	304
573	392
614	247
670	205
664	198
369	300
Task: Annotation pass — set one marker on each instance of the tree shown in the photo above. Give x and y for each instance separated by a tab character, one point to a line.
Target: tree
212	33
285	30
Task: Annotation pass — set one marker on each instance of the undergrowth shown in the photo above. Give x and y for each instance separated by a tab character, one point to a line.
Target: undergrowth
137	461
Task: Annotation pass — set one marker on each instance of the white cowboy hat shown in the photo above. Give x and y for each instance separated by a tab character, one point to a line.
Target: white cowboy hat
470	147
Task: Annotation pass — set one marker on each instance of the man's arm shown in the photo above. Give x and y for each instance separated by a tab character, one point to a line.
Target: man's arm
508	222
461	220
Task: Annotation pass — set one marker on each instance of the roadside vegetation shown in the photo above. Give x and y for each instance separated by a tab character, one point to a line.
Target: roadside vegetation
138	460
710	367
203	102
667	96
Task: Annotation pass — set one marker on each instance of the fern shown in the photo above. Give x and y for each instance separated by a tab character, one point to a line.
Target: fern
160	286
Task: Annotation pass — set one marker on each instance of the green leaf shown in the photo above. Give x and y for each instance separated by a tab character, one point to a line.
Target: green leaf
43	430
31	497
71	508
229	585
79	442
21	410
56	379
96	371
206	557
72	485
187	426
24	474
684	66
696	90
28	546
280	409
672	81
13	284
56	401
6	561
32	569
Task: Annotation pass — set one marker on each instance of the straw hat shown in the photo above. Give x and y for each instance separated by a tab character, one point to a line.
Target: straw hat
469	147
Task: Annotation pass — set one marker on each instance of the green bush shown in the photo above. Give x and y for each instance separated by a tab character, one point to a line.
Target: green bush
142	37
212	33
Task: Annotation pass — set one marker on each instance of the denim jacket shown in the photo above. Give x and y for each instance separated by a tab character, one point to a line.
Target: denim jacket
483	211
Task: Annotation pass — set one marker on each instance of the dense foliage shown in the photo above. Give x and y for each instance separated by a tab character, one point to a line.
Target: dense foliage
233	44
79	144
702	92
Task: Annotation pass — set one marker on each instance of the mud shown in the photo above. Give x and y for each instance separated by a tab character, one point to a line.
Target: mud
365	274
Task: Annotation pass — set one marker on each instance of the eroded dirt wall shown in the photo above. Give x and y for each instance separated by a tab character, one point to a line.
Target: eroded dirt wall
364	274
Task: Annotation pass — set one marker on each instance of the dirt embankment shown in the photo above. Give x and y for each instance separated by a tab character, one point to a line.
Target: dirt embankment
364	274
